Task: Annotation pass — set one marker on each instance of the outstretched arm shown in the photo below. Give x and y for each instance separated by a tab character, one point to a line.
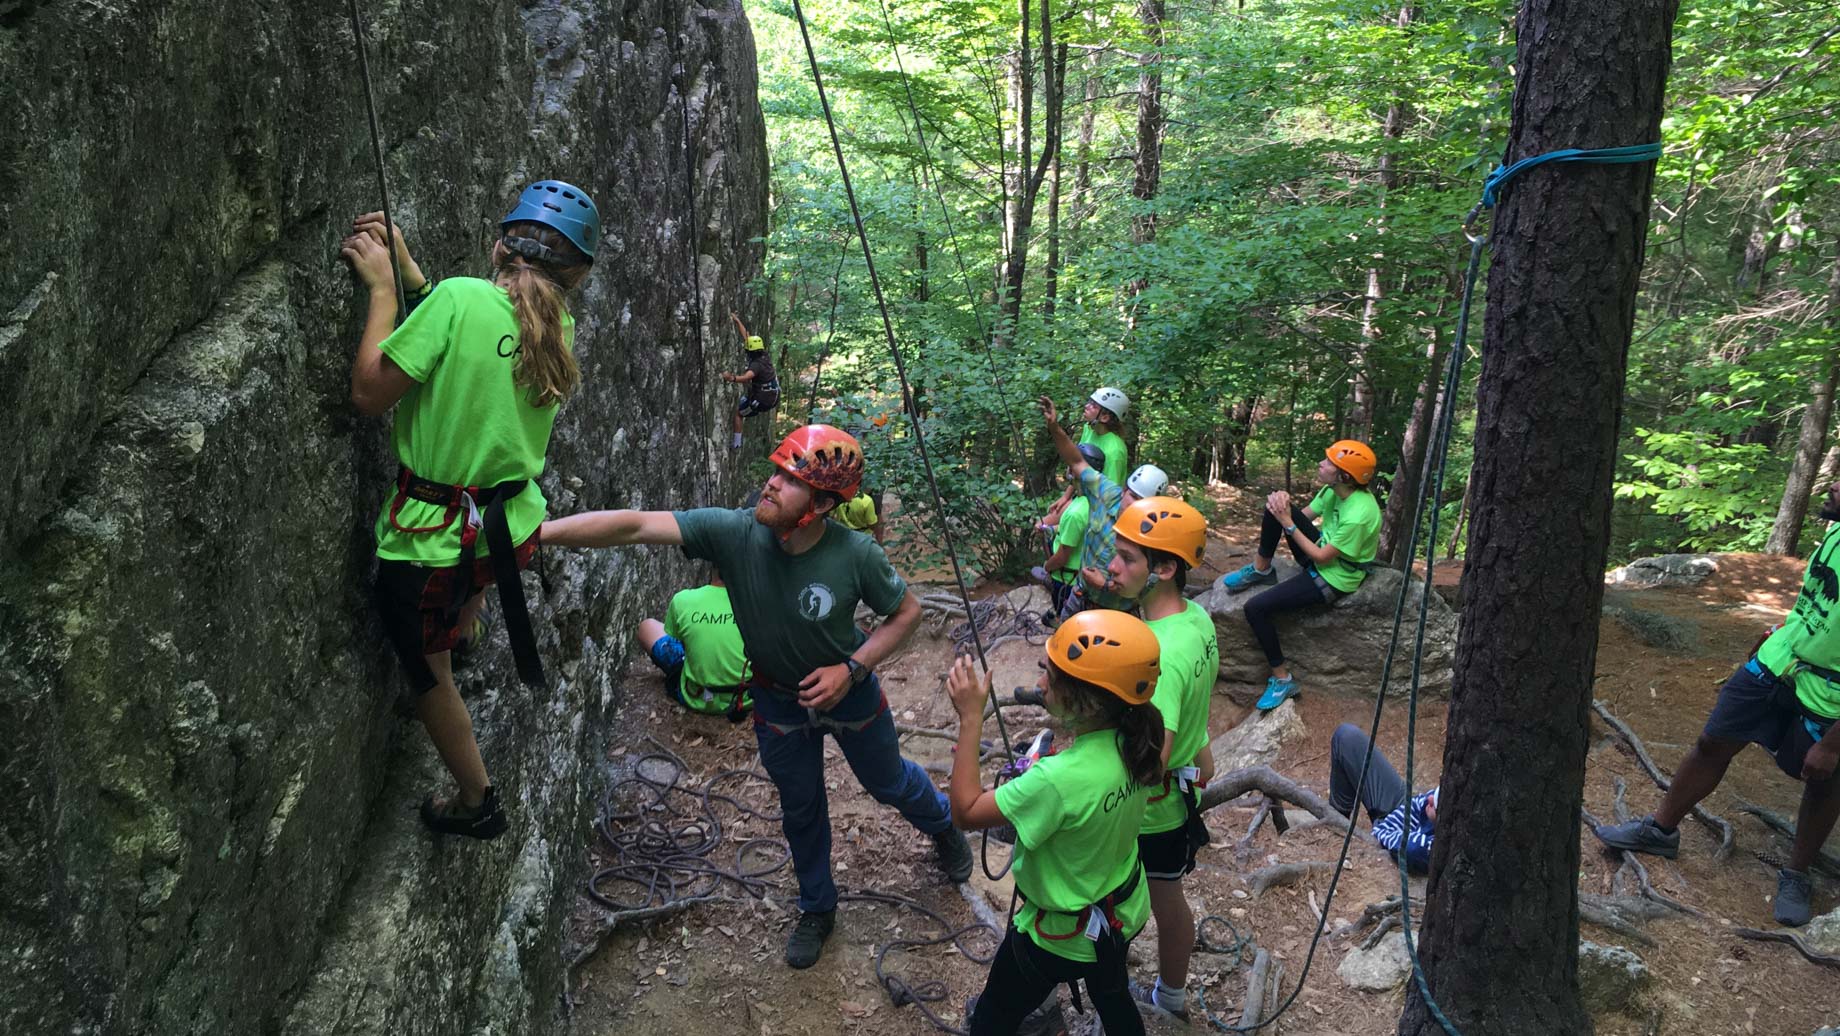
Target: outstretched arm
739	326
612	529
1070	454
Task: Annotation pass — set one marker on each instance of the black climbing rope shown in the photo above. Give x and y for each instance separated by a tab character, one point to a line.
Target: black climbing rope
830	329
383	186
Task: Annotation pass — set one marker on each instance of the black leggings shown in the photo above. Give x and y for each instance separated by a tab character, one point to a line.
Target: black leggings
1299	591
1024	974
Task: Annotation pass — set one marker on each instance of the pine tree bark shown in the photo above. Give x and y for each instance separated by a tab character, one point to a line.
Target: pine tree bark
1500	938
1786	533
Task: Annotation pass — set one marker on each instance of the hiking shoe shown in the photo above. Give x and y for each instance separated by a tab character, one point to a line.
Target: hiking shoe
806	943
484	821
1146	996
1276	691
1248	577
1792	898
955	856
1642	836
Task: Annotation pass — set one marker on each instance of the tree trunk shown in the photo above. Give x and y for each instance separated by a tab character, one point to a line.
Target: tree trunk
1029	180
1052	274
1502	900
1232	468
1147	166
1786	533
1403	498
1392	127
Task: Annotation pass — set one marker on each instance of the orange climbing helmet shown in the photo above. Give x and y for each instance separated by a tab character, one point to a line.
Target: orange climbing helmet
822	457
1166	524
1354	457
1107	649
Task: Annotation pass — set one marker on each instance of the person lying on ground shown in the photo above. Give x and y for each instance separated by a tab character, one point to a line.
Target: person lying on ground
1403	823
475	375
1061	569
1103	415
699	650
794	579
1785	698
1076	814
761	395
1105	499
1334	558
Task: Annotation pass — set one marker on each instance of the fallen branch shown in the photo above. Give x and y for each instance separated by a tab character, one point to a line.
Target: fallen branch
1284	874
1369	914
1255	989
611	922
1792	939
1717	824
1825	862
1387	924
1243	848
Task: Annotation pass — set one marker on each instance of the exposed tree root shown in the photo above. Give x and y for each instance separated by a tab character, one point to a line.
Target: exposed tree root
1284	874
1715	823
1792	939
1825	862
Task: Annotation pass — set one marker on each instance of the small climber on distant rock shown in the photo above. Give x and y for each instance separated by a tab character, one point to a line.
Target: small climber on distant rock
698	648
762	393
1404	823
795	579
476	374
1105	499
1103	417
1334	557
1785	698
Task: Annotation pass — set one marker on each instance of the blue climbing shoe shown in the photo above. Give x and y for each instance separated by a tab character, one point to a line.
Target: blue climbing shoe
1276	691
1248	577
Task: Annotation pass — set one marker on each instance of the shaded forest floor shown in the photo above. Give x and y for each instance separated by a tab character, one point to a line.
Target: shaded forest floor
716	968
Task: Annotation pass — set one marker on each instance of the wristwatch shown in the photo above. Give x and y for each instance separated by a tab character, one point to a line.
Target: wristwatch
858	671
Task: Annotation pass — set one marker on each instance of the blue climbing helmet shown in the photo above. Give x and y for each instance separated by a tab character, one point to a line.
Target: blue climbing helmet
563	207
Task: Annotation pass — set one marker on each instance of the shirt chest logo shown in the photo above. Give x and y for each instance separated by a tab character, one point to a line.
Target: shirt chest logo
816	601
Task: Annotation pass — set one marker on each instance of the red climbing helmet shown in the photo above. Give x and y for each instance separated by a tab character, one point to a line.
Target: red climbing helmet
822	457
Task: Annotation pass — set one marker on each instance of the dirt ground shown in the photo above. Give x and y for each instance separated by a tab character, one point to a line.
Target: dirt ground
716	968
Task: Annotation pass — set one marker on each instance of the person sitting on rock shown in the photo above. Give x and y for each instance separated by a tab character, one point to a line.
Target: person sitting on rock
1105	499
794	580
698	648
1403	823
475	374
1103	416
1061	569
1334	558
1159	539
762	393
1076	814
1785	698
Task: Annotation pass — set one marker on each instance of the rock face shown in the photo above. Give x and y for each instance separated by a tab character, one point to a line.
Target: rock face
211	795
1609	978
1664	570
1337	649
1823	933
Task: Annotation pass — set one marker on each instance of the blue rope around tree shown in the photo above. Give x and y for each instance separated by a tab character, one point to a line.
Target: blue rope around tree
1491	188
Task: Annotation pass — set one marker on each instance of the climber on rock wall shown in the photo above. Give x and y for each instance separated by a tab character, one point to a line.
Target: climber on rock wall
476	374
760	393
794	579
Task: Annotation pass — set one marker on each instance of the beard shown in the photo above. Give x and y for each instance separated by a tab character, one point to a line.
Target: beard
774	515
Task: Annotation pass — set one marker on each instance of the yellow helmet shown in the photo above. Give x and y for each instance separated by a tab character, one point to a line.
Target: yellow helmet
1166	524
1108	649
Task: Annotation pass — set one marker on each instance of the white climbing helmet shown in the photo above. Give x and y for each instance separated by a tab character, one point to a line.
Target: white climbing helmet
1147	481
1114	400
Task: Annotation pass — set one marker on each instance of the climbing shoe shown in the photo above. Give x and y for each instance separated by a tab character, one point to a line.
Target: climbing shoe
1792	898
484	821
1643	836
1248	577
1146	996
1276	691
806	944
954	854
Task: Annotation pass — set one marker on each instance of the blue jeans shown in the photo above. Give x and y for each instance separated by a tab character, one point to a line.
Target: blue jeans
792	750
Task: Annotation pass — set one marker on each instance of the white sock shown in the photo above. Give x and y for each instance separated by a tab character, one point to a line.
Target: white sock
1169	999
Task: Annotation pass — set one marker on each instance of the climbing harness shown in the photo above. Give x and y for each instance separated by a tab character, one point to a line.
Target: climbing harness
1098	922
470	499
383	187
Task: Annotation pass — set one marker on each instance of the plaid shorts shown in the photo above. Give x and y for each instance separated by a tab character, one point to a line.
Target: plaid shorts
416	601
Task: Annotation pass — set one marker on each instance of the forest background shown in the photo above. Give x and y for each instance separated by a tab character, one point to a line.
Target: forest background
1248	215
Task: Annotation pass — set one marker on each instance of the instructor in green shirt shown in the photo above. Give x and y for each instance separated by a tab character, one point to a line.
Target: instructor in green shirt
794	578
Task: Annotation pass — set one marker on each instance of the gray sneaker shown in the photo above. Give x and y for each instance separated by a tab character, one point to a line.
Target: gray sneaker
1640	836
1792	898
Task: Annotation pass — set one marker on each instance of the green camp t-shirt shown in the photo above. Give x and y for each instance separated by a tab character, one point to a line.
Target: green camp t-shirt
1076	814
857	513
1351	526
465	422
796	612
1116	456
1188	662
714	662
1104	499
1071	533
1810	633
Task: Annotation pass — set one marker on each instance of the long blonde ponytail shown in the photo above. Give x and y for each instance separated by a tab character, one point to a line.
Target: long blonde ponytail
536	265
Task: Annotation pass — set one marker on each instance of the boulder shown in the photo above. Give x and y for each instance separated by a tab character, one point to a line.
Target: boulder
1336	649
1610	978
1664	570
1823	933
212	826
1380	969
1257	739
1656	629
